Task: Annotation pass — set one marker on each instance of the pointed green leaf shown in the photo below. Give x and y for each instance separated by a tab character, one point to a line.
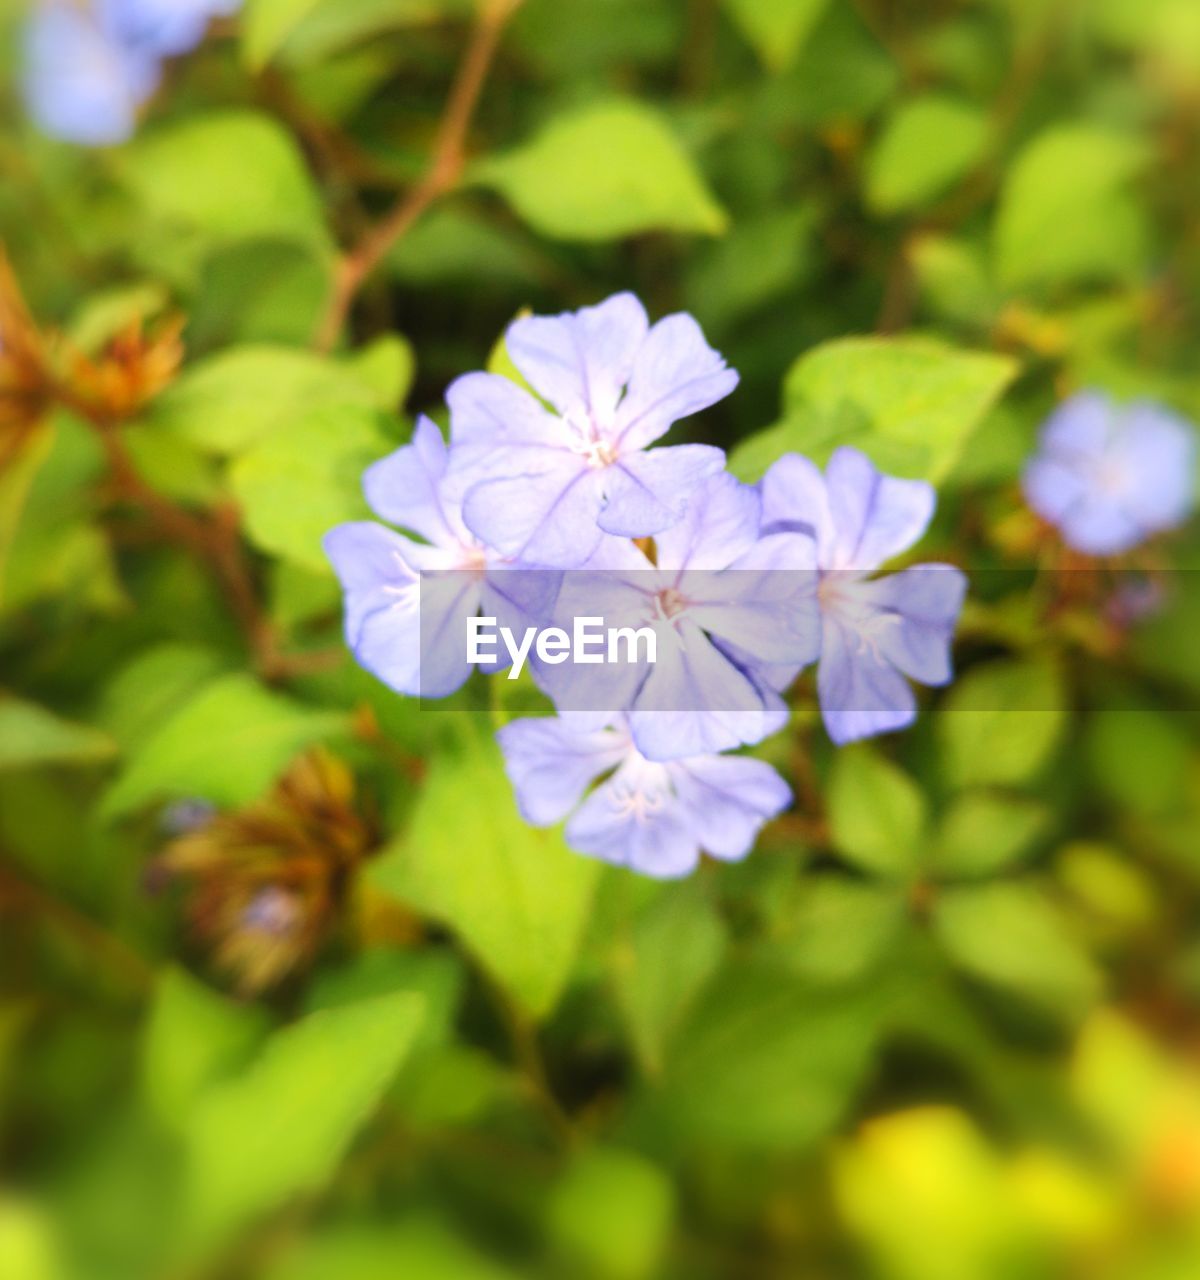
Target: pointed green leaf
912	404
603	172
517	896
282	1126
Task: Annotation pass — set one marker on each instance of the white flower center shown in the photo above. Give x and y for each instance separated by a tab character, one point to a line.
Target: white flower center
669	604
1110	477
589	439
473	560
641	790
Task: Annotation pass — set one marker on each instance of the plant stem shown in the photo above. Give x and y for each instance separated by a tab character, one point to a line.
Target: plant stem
441	175
27	898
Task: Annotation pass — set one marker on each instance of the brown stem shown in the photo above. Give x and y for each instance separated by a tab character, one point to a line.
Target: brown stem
213	539
29	899
441	175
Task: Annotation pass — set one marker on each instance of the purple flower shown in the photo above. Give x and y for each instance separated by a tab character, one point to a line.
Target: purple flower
546	484
874	631
1110	476
407	603
163	28
651	817
81	82
728	607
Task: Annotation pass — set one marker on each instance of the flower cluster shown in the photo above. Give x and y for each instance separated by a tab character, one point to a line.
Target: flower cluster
550	503
543	507
90	67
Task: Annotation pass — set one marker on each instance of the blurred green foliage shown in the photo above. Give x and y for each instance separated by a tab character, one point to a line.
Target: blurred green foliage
942	1024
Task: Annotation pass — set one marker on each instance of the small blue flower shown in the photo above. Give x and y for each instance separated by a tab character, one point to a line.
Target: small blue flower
163	28
1110	476
407	603
874	631
546	484
728	607
80	82
651	817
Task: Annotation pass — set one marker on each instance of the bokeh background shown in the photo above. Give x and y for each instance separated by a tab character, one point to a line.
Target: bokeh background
287	990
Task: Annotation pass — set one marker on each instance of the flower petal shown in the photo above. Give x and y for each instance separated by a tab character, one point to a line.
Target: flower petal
551	762
646	493
80	82
544	517
765	604
915	613
1080	427
795	498
676	373
618	598
728	799
1162	447
696	700
874	516
382	576
720	523
406	489
861	695
447	600
581	360
498	429
635	823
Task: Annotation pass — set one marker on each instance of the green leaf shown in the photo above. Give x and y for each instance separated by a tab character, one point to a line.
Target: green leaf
611	1215
983	833
227	744
332	26
227	176
877	813
266	24
778	29
436	975
1116	1067
301	481
17	478
281	1127
866	75
672	949
603	172
230	401
761	258
766	1060
30	735
953	279
454	244
927	146
1066	213
1011	935
1110	888
839	929
193	1038
417	1247
910	403
1140	758
386	368
155	683
1001	723
515	895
